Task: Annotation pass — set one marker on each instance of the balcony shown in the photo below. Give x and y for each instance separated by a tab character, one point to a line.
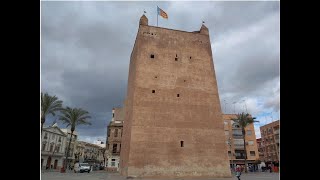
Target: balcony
276	131
238	146
237	136
277	141
50	153
239	157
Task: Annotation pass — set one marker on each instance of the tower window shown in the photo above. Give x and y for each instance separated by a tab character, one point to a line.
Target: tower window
181	144
152	56
190	57
155	77
176	59
184	80
153	91
178	95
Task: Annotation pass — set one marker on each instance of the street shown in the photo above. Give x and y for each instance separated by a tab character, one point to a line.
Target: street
99	175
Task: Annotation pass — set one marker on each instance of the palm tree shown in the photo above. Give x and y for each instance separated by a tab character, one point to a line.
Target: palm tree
243	120
73	117
49	105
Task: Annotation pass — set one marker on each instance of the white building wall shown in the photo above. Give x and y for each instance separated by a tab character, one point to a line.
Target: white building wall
59	164
116	164
53	135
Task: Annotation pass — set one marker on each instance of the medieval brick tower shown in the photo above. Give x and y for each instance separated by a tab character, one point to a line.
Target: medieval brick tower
173	123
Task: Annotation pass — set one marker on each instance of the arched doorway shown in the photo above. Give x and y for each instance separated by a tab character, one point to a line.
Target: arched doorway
55	164
48	162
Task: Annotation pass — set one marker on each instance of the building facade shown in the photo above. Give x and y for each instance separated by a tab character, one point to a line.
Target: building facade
71	157
173	124
79	152
270	136
235	142
89	153
113	142
53	142
260	149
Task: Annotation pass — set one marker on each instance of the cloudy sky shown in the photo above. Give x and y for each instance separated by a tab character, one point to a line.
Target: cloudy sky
86	46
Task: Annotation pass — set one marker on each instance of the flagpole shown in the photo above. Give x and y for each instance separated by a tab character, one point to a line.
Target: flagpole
157	15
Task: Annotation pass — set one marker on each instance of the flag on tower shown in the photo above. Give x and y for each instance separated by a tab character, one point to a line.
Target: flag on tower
162	13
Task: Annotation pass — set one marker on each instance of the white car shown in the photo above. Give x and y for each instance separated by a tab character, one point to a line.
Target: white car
82	167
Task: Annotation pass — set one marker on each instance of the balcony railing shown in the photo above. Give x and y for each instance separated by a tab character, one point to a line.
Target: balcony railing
237	136
239	146
50	153
239	157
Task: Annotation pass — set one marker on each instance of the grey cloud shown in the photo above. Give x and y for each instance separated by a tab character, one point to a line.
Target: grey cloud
86	48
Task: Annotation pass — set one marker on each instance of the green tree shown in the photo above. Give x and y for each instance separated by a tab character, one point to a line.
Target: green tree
73	117
243	120
49	105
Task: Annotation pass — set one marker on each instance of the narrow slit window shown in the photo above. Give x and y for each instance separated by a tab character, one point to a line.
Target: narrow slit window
176	59
190	57
153	91
152	56
155	77
178	95
181	144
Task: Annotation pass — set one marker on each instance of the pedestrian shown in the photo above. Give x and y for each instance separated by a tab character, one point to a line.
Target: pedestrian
270	168
238	171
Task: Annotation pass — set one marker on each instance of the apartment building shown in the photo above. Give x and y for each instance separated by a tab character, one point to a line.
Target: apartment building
235	142
270	138
113	142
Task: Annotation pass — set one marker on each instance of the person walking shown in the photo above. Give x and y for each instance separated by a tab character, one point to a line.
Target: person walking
238	171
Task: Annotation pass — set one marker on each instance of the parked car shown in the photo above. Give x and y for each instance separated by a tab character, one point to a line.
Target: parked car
82	167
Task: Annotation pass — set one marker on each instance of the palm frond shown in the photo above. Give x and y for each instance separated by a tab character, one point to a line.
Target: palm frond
74	117
244	119
50	104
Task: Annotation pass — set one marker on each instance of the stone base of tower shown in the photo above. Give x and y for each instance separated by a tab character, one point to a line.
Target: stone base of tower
219	171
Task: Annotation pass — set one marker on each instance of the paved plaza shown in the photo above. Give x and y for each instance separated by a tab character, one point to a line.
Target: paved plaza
103	175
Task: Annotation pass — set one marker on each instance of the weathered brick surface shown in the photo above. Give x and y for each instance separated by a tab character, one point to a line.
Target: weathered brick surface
155	123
